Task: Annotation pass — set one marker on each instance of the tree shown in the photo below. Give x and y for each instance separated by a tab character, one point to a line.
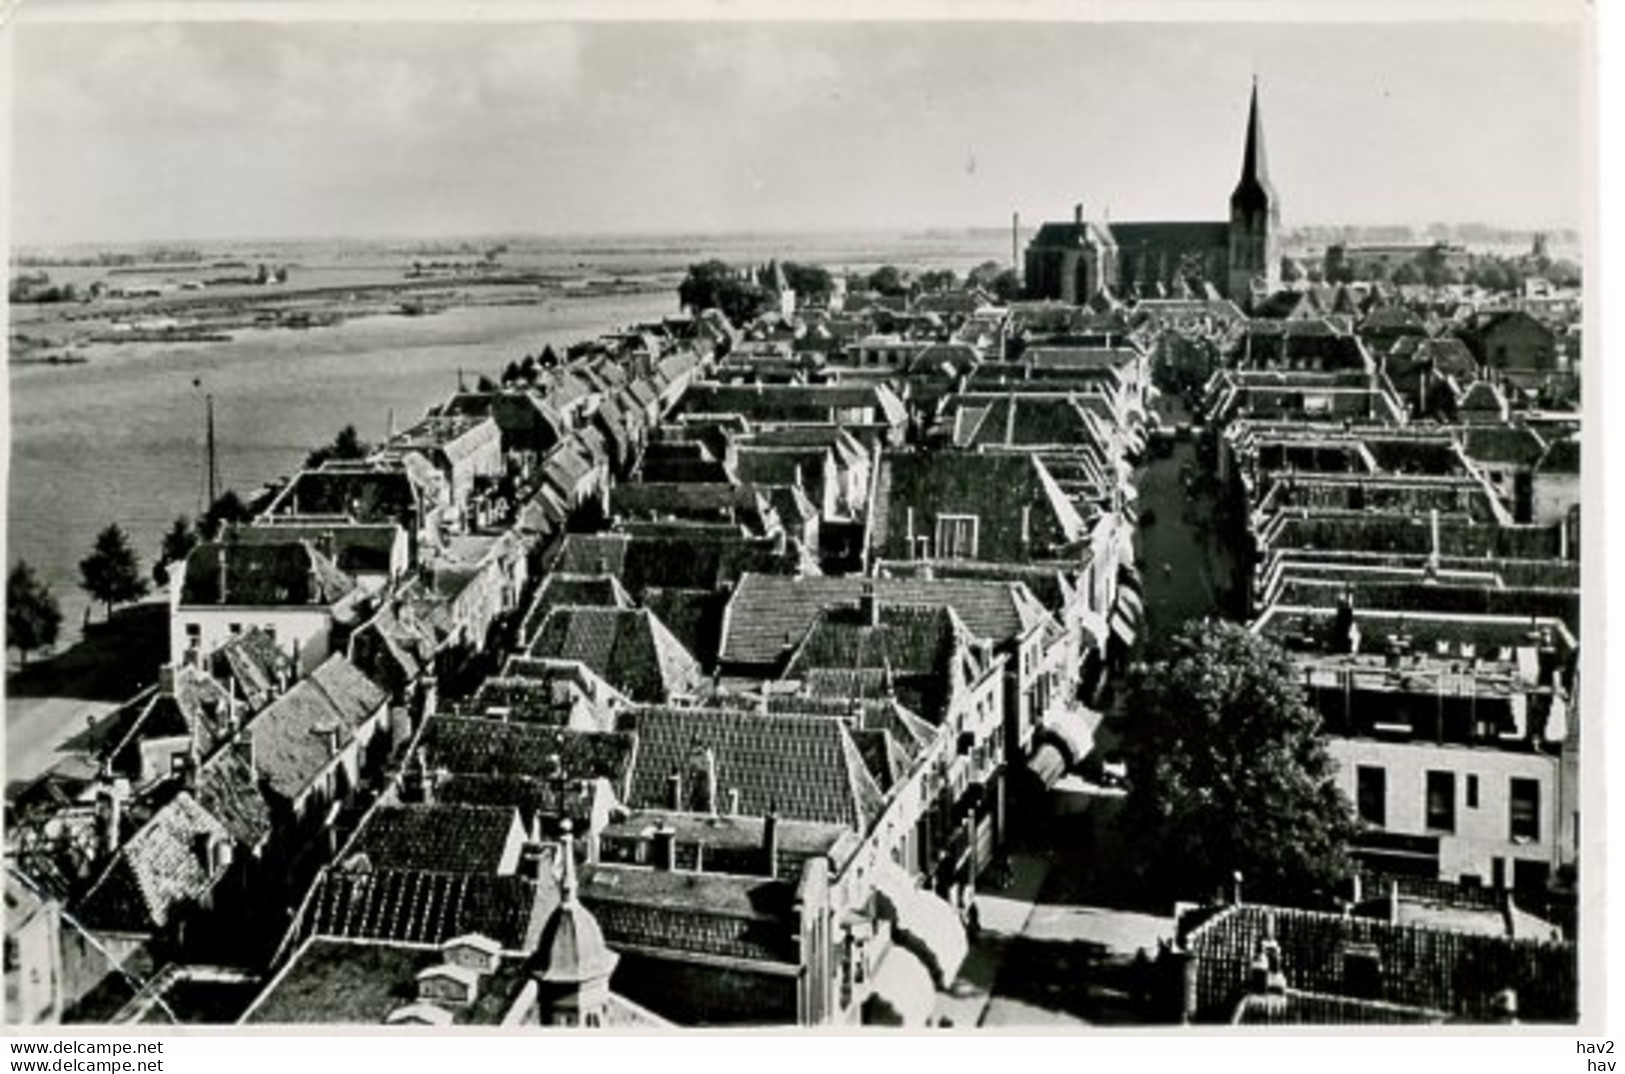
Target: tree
485	385
177	545
713	285
550	357
346	445
984	274
112	573
809	282
1007	286
228	509
33	616
938	280
887	280
1230	772
1407	274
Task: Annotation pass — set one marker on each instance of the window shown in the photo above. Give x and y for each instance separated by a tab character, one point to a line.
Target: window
234	629
1472	792
1524	808
956	536
1441	801
1371	792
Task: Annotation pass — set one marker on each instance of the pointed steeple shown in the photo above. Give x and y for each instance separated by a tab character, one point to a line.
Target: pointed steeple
1254	190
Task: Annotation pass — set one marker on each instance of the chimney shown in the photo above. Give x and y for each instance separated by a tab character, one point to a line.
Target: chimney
708	784
868	606
109	814
1393	902
665	847
1077	214
330	738
243	743
1235	888
733	801
220	553
674	790
770	840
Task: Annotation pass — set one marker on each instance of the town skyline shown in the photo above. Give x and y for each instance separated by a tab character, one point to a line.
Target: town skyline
306	131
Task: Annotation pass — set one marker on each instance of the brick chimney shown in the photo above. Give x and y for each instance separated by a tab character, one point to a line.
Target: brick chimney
665	848
770	840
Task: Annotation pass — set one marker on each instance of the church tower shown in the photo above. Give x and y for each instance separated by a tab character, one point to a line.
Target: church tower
1255	218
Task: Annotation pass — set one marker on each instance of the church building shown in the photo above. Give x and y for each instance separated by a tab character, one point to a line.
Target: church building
1238	258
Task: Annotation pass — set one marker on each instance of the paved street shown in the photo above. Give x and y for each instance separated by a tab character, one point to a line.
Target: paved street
1048	955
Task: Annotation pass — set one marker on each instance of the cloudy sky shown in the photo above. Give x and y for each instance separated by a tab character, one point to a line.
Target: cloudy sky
187	131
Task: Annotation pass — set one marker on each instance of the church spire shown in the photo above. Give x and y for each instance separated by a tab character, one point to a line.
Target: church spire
1254	189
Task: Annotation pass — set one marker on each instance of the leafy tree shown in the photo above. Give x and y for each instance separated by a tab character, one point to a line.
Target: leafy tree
33	616
227	510
1007	285
510	373
346	445
1230	772
809	282
938	280
984	274
485	384
177	544
1291	271
112	573
713	285
550	357
887	280
528	370
1408	273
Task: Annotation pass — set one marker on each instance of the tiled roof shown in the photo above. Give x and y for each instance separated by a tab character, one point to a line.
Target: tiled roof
424	907
160	871
806	766
599	590
1519	445
631	649
255	662
1177	237
770	614
996	488
471	745
1456	972
671	560
702	913
450	838
811	403
364	493
1562	457
353	548
229	789
288	750
290	573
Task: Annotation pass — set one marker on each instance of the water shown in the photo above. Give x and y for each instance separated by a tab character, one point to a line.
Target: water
121	438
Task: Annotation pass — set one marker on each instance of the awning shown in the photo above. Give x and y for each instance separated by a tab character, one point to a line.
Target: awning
903	993
1122	628
921	922
1074	729
1047	764
1094	626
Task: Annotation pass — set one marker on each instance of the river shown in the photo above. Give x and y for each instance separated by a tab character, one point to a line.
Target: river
121	439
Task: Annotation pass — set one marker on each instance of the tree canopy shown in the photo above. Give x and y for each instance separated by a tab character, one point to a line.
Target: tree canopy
112	572
228	509
715	285
887	280
176	545
809	282
346	445
33	616
1230	771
